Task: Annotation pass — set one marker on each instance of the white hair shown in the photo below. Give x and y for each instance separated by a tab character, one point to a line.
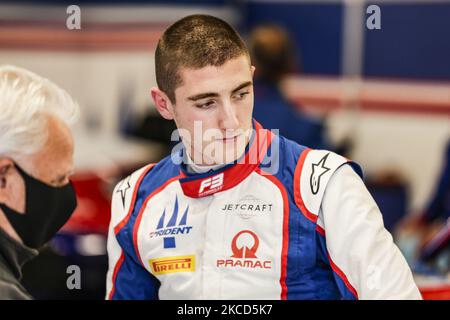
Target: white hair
26	101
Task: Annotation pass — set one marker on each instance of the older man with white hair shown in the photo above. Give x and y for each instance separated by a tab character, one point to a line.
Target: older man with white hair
36	161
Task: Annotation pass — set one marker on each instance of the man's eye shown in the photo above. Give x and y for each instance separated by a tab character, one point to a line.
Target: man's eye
205	105
241	95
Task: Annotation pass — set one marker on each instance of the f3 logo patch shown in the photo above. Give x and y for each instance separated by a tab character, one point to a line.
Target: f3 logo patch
211	184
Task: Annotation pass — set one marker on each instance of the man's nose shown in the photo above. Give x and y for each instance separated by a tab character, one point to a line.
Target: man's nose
228	119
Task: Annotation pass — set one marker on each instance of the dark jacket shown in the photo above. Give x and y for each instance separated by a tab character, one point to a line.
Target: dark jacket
13	256
273	111
439	206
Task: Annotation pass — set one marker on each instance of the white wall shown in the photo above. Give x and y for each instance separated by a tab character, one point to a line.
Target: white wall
96	80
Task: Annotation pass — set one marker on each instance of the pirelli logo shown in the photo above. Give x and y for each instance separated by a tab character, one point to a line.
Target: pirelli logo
172	264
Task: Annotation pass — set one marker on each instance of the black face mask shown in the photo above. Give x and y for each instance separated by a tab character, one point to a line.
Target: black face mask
47	209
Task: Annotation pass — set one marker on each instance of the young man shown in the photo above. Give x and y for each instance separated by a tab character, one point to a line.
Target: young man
238	212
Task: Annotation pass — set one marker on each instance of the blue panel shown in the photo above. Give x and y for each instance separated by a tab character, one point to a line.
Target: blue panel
315	28
169	242
414	42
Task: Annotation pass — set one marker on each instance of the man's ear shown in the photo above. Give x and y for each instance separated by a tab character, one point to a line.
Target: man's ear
5	166
253	70
162	103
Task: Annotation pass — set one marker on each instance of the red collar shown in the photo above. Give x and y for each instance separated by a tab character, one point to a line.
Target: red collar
202	185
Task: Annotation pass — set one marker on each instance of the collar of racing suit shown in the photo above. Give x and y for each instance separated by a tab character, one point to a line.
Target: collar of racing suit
193	168
197	185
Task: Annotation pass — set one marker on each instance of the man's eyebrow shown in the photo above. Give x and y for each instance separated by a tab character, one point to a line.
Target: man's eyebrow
214	94
245	84
62	177
203	96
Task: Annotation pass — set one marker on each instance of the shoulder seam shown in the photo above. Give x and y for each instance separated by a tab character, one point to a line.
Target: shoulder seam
297	190
124	221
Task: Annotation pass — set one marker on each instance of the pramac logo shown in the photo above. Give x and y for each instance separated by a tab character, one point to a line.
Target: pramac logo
244	247
244	251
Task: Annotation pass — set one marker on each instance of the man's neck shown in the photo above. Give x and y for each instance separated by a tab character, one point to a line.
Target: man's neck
6	226
200	168
193	167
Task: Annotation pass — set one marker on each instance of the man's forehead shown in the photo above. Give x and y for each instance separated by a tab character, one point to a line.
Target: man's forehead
240	62
55	158
227	76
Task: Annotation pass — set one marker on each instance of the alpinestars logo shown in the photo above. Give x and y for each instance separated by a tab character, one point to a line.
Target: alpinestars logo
169	231
122	188
318	170
244	246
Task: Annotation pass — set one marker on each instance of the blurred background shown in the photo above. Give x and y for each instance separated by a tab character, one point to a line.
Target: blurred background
378	96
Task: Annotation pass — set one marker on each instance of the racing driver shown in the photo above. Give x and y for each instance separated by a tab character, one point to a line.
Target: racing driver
237	211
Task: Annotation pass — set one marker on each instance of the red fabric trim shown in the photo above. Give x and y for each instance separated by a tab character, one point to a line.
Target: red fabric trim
297	192
336	269
114	277
285	246
139	217
342	275
320	230
124	221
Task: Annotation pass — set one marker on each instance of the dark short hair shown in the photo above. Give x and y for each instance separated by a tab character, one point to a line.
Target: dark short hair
195	41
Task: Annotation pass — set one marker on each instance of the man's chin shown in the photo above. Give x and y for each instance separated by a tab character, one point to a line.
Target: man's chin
223	152
227	153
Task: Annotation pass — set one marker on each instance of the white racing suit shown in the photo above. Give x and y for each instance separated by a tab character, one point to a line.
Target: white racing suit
284	222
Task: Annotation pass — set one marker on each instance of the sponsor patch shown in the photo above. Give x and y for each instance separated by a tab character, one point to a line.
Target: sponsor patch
244	247
172	264
248	207
172	228
318	170
211	185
